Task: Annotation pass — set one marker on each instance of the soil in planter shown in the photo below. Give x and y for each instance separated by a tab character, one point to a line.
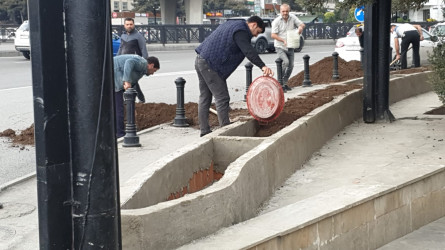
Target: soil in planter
152	114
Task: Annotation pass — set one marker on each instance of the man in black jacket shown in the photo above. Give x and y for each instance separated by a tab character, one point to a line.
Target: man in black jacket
132	42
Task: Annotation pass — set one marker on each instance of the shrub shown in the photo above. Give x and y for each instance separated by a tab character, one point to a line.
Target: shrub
437	78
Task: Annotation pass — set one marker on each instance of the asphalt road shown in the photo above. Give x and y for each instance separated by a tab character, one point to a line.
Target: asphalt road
16	95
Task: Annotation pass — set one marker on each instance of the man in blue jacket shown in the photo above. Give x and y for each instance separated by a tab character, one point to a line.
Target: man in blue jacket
218	56
128	69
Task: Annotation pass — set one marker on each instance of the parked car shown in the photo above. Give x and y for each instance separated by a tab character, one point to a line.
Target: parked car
21	40
264	42
348	48
439	31
116	43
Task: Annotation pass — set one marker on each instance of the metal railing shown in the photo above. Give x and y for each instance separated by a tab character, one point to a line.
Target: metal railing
163	34
7	33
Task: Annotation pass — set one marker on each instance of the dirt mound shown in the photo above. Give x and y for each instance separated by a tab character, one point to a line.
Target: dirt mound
321	72
26	137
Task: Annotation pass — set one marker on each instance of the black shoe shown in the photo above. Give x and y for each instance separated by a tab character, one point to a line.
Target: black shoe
203	134
284	89
287	87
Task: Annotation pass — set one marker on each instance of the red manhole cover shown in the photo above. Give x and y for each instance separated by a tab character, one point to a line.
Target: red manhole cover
265	99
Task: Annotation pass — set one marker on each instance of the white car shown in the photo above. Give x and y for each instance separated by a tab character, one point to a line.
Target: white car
439	31
348	47
21	41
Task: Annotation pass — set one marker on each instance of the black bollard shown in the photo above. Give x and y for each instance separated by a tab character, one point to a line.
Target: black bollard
362	53
249	67
306	82
180	120
335	75
279	63
131	139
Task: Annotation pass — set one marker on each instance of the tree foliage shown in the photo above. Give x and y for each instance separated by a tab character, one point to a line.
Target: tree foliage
397	5
13	11
437	78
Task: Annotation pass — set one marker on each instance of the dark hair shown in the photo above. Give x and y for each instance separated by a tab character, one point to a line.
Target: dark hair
258	21
129	19
153	60
359	29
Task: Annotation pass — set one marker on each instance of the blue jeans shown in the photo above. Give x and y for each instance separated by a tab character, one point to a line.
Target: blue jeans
288	63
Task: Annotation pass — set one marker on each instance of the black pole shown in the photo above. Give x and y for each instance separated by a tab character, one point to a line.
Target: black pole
96	208
369	63
307	81
335	75
52	146
131	139
180	119
279	63
384	20
249	67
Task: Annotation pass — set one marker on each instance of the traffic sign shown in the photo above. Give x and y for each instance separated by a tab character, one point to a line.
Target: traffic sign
359	13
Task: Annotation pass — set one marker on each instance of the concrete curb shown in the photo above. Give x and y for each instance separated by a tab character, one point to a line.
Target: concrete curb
17	181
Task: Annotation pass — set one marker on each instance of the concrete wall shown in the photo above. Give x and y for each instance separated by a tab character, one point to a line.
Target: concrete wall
250	179
372	222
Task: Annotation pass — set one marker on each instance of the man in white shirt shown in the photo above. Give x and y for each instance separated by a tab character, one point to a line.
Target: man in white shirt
280	26
410	34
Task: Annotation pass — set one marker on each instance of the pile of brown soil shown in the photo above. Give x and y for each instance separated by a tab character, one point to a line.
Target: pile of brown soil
321	72
298	107
152	114
26	137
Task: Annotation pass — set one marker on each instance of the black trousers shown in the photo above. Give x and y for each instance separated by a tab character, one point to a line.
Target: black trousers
411	37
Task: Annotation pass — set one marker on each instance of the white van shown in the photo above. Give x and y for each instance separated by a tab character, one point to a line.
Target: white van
21	41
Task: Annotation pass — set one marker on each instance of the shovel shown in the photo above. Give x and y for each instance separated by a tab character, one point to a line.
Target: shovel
400	56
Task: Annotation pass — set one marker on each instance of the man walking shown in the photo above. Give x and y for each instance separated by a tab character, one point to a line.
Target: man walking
218	56
410	34
132	42
280	26
128	69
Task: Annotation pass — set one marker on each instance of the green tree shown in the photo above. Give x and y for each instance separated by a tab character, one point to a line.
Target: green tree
437	78
16	11
238	8
329	17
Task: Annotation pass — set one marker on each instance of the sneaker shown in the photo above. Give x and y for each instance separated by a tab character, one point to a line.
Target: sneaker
287	87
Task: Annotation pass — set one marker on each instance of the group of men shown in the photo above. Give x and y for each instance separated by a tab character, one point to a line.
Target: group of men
220	54
217	58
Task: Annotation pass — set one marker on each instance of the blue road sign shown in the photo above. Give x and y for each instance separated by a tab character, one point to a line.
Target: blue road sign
359	13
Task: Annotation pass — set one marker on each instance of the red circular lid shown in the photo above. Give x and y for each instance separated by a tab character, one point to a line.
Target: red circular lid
265	99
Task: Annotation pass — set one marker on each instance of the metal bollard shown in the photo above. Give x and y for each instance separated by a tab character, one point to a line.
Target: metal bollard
279	63
306	82
131	139
249	67
362	55
335	75
180	120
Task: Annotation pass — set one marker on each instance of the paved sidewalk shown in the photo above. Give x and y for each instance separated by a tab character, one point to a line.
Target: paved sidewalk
18	218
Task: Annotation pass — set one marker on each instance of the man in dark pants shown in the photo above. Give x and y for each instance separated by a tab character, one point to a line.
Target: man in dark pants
218	56
410	34
128	69
132	42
